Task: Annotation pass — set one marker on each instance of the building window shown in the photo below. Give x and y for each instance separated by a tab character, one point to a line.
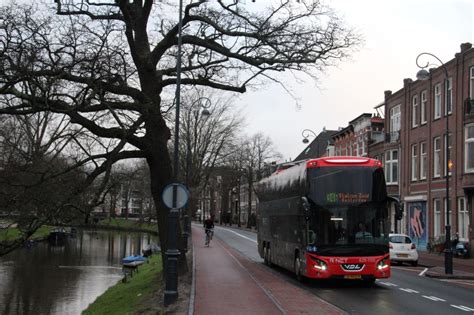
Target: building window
437	218
469	148
414	162
423	160
414	112
448	107
437	157
391	167
424	101
449	144
395	119
463	219
437	101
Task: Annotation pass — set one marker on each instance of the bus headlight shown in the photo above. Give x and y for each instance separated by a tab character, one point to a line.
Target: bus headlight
383	264
319	264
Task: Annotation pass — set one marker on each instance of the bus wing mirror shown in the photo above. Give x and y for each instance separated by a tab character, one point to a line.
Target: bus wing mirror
306	207
311	237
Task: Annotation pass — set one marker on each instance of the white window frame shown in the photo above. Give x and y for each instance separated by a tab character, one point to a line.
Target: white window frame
471	91
469	149
414	162
423	160
437	101
414	112
395	118
448	142
436	157
424	102
450	97
391	167
463	219
436	217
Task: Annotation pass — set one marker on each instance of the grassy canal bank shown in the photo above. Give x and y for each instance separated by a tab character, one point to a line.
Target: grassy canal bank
128	225
10	234
134	296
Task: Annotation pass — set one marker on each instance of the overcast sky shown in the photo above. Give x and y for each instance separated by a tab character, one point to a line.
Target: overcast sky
395	32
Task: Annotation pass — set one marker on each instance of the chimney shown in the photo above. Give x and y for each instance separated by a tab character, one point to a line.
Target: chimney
465	46
407	81
387	94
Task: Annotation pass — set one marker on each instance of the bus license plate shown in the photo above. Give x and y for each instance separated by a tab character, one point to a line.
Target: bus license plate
352	277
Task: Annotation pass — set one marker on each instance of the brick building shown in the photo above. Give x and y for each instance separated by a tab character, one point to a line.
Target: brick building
415	150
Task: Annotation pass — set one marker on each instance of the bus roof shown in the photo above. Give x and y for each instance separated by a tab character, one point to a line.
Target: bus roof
343	161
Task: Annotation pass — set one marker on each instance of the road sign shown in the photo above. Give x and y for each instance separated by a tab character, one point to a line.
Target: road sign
182	195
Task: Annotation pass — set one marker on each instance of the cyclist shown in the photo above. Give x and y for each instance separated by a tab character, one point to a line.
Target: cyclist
208	226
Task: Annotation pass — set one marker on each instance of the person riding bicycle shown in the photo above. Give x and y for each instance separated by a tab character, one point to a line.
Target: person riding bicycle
208	226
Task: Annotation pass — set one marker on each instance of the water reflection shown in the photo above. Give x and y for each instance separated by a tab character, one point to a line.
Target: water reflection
49	279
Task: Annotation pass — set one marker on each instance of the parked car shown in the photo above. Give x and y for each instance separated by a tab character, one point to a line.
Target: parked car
402	249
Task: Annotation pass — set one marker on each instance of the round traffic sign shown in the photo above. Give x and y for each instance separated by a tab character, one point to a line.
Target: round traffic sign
182	195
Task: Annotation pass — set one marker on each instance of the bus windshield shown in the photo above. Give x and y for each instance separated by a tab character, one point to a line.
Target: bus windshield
349	214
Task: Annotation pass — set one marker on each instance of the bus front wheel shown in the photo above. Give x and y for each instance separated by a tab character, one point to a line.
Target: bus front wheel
297	265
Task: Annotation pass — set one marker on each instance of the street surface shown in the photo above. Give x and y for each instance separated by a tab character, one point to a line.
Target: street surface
406	292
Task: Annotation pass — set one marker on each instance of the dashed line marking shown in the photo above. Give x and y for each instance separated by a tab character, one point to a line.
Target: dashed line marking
409	290
423	272
463	308
433	298
389	284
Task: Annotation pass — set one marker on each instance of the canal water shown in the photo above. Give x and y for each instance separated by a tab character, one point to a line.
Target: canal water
46	279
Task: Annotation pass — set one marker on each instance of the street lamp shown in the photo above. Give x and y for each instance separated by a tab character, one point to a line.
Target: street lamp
204	103
306	133
423	74
172	253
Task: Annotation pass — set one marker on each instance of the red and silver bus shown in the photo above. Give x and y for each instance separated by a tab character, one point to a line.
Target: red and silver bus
326	218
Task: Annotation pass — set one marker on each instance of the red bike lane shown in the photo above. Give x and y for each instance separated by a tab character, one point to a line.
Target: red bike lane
228	283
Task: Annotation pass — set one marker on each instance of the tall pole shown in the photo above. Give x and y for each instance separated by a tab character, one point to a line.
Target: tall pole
172	253
425	75
448	252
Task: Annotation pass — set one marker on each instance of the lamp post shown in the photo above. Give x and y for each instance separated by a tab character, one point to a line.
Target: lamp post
172	253
425	75
306	133
204	103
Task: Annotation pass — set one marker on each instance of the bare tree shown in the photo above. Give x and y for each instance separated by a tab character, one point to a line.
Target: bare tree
109	67
206	139
258	151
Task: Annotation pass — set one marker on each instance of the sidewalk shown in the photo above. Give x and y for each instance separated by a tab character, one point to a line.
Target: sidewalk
229	283
462	268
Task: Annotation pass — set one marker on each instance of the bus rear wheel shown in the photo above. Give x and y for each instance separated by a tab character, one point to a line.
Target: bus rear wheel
265	254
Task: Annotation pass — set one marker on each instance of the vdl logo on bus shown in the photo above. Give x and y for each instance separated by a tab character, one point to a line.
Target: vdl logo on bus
352	267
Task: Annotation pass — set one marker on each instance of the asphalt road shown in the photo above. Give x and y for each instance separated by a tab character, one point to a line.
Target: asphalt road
406	292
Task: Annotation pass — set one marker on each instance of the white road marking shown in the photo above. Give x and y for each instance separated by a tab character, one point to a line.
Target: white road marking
463	308
243	236
423	272
409	290
389	284
433	298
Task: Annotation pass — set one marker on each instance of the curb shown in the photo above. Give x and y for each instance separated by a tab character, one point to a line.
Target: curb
192	294
441	276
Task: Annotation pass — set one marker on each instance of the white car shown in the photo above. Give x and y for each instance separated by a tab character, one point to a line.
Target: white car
402	249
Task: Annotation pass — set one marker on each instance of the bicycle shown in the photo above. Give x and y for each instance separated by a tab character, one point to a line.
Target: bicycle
209	234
